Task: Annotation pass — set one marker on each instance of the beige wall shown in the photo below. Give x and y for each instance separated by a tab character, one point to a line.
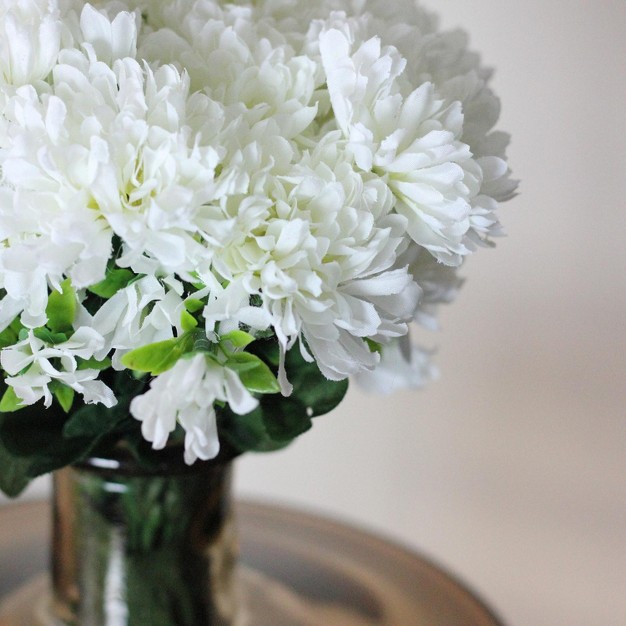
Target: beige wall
511	469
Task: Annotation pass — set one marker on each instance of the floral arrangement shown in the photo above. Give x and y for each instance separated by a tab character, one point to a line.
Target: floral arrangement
212	214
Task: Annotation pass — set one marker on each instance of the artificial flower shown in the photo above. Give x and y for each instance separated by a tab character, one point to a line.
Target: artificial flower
222	196
185	395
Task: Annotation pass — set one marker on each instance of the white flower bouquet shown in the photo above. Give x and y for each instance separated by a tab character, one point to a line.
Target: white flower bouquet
212	214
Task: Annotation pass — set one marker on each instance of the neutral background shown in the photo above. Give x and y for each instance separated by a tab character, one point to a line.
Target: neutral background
511	470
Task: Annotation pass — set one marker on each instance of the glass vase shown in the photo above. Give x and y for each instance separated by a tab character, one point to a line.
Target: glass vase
143	547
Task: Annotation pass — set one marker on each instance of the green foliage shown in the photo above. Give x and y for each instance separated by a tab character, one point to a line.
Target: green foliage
94	421
268	351
193	305
247	432
255	375
278	420
285	418
116	279
32	443
237	338
61	308
48	336
188	321
14	475
63	394
35	440
374	346
157	358
94	364
318	394
10	402
10	335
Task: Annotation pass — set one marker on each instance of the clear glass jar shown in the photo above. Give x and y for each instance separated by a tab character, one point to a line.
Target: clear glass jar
143	547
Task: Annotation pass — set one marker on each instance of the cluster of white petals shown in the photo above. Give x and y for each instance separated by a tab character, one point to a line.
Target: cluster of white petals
317	171
45	364
30	40
145	312
402	366
164	405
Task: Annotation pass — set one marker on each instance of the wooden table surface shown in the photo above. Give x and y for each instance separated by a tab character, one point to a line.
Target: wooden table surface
313	570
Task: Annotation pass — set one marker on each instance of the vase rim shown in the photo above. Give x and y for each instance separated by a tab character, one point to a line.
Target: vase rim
170	460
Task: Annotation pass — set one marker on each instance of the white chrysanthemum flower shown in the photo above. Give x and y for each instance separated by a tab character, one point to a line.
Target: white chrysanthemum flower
316	168
439	283
402	366
47	229
413	141
30	40
266	93
108	152
163	406
322	260
229	307
444	59
142	313
33	365
237	60
151	176
111	38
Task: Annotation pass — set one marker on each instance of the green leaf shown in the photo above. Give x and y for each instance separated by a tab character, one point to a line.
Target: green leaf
116	279
237	338
374	346
92	421
197	284
285	418
63	394
10	402
61	308
36	440
10	335
188	321
94	364
193	305
95	421
255	375
267	349
14	475
310	387
33	438
278	420
156	358
48	336
247	432
7	338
